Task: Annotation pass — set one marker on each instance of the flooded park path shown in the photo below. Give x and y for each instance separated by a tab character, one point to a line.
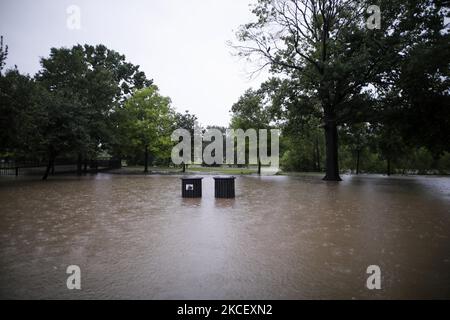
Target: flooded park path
280	238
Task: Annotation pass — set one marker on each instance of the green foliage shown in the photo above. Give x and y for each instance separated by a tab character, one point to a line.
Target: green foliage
17	98
186	121
86	100
300	155
97	80
146	121
61	128
81	102
443	163
250	112
386	91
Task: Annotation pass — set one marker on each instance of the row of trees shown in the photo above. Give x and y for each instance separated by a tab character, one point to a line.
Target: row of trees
384	92
85	101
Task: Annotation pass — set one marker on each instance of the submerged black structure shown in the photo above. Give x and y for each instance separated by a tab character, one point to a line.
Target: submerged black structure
224	187
191	187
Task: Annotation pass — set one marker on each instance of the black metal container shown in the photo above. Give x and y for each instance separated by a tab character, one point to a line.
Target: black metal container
224	187
191	187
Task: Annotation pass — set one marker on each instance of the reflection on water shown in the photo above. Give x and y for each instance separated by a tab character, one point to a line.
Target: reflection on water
281	238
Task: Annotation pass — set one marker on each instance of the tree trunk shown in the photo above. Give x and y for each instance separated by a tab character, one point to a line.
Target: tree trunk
258	157
358	154
85	166
317	155
389	166
184	167
79	164
146	160
331	138
51	162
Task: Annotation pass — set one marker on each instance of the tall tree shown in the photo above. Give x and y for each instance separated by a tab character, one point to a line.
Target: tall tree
300	118
17	93
357	137
326	46
96	79
251	112
188	122
61	128
147	121
418	94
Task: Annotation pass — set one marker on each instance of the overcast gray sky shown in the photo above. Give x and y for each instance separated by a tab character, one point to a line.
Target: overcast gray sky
181	44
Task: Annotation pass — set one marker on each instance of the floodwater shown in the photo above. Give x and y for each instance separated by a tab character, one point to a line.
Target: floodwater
281	238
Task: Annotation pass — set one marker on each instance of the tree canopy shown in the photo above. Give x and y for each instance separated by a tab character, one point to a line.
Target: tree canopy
338	66
147	122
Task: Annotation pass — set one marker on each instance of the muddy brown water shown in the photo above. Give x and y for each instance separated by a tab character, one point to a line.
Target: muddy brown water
281	238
